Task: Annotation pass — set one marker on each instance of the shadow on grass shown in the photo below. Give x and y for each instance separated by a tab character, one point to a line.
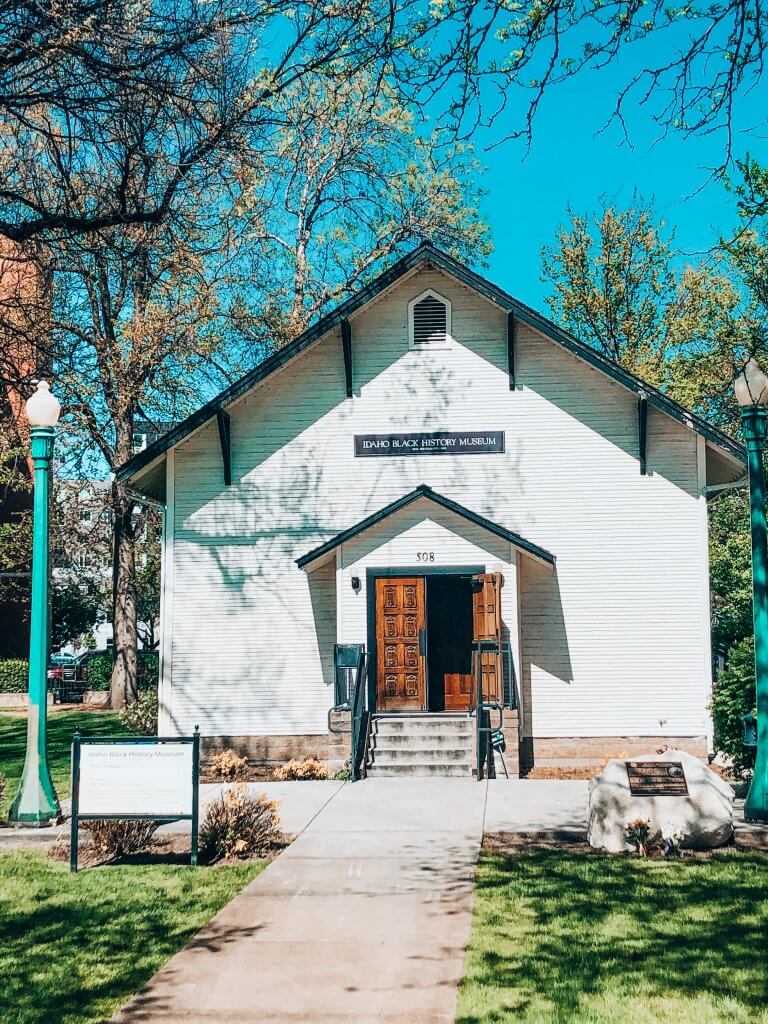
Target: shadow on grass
62	725
74	947
562	937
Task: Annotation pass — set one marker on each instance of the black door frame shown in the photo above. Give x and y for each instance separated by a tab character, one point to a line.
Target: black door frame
388	572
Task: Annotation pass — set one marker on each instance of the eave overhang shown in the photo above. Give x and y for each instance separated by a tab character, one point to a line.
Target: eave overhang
427	254
423	491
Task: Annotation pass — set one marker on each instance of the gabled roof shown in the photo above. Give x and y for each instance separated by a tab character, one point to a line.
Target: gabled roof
427	253
422	491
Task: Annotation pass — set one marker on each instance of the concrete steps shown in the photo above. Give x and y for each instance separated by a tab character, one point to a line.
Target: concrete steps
423	745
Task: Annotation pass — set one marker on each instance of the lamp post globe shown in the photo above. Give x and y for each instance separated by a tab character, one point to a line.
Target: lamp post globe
751	387
36	803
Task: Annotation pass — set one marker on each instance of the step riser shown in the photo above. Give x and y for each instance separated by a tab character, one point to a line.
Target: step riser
404	771
427	757
420	742
422	728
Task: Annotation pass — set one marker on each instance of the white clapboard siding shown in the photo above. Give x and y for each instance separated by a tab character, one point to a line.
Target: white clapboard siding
614	642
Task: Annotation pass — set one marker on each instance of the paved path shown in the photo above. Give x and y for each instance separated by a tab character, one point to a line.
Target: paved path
363	919
541	805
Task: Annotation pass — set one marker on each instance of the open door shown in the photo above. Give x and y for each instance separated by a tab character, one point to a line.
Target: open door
400	644
486	614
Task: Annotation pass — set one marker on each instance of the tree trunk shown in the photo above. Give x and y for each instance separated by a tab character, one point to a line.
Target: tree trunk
124	687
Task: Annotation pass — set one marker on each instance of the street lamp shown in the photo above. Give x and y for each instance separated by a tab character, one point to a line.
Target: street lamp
751	388
36	802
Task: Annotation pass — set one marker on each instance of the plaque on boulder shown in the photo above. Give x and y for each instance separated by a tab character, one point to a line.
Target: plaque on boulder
670	789
656	778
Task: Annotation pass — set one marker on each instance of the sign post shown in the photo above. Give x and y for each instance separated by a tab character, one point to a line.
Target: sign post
140	778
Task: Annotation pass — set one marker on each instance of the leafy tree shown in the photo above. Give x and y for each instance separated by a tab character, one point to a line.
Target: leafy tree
75	609
734	696
350	181
730	564
616	287
148	582
75	75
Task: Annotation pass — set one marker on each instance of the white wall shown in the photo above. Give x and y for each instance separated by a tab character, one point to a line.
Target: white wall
615	642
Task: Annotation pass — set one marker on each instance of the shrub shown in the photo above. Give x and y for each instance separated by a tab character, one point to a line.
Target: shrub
13	675
98	671
309	768
239	824
112	839
344	774
733	695
227	765
141	715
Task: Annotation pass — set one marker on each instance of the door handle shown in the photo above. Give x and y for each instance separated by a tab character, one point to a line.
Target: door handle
422	642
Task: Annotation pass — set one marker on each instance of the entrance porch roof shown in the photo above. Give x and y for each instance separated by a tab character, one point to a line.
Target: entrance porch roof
423	491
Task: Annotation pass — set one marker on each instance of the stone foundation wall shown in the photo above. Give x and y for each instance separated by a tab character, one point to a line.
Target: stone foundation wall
511	754
585	750
331	748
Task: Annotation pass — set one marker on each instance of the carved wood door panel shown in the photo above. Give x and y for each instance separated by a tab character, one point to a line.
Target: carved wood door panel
400	628
486	614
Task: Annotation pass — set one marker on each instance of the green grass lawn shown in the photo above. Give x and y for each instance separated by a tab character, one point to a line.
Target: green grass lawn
559	937
61	726
74	947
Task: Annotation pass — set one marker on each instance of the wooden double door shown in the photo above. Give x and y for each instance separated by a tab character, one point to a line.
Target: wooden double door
402	643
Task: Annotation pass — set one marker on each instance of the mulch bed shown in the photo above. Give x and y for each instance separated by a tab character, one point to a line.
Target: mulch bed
254	773
582	771
170	849
744	840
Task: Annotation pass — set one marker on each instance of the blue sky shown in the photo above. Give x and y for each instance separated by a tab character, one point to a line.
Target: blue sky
568	162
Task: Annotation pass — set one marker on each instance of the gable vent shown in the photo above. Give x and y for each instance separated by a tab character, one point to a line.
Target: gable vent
430	321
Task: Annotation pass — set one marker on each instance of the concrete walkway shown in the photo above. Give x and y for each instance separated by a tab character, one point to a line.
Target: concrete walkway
364	918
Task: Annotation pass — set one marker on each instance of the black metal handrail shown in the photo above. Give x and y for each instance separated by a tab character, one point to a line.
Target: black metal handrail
359	718
361	722
482	708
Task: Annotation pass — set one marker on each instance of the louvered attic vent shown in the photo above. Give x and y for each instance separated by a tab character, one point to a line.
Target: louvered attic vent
430	321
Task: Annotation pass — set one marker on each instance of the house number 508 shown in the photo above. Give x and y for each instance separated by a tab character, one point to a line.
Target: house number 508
425	556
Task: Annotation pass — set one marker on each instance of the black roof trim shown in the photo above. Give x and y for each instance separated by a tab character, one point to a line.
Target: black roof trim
427	252
423	491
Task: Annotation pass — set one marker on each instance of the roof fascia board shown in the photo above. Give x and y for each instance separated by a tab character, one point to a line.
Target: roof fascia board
578	348
386	280
540	554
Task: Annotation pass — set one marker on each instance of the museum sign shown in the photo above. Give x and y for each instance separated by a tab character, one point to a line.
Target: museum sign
439	442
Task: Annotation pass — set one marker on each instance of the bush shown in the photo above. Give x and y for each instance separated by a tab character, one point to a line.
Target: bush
733	696
141	715
13	675
112	839
300	771
98	670
227	765
239	824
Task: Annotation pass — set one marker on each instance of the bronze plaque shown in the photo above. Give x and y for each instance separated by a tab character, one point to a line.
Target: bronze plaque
656	778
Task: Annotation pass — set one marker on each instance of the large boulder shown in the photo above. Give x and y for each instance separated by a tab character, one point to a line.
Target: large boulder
705	815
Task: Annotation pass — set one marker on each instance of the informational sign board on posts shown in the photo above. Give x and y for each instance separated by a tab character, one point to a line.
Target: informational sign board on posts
135	777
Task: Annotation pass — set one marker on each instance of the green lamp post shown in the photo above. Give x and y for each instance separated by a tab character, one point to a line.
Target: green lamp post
36	802
752	395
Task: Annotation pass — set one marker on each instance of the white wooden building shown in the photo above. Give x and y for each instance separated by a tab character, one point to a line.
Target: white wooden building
429	431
